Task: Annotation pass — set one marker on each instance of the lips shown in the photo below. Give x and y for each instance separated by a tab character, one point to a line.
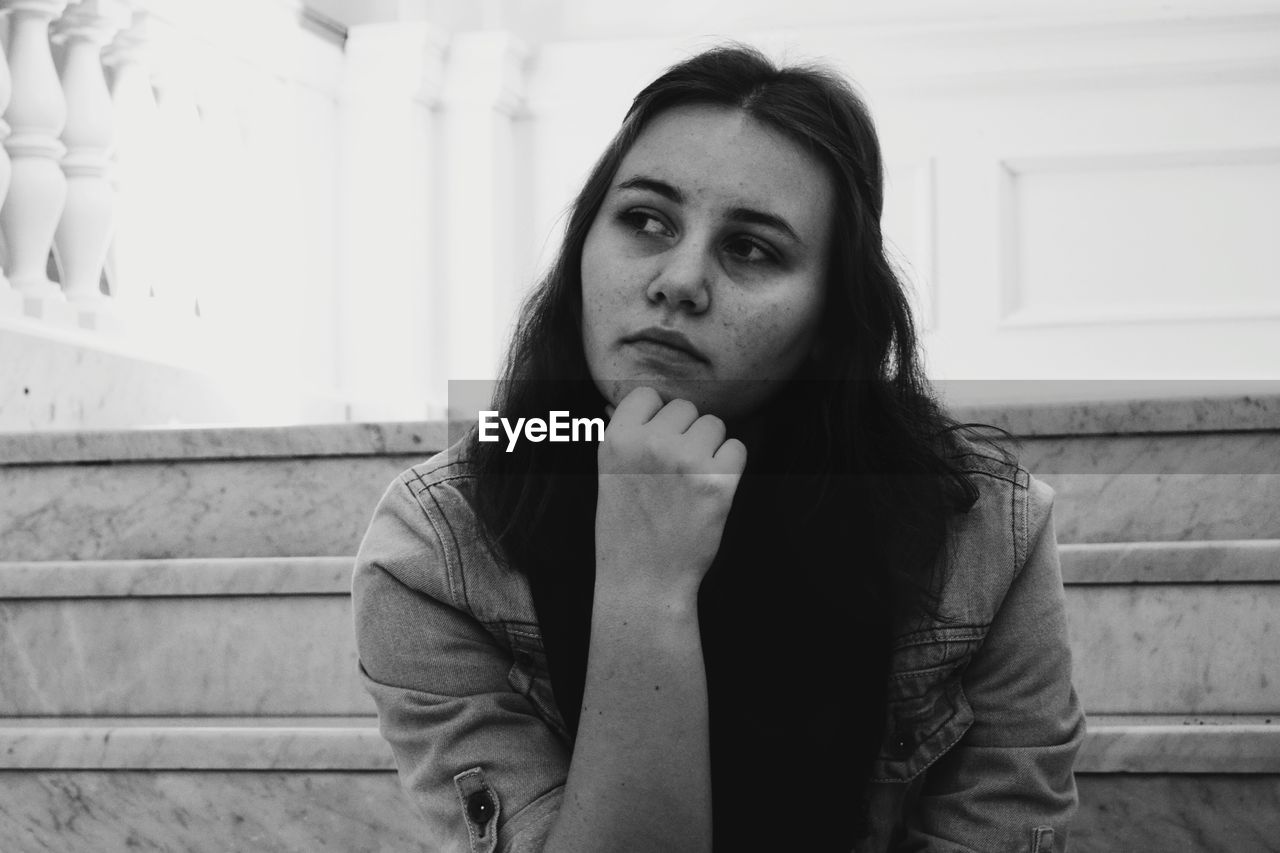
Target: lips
668	338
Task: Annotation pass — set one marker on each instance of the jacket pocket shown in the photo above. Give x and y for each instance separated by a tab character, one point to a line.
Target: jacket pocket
927	711
530	676
480	809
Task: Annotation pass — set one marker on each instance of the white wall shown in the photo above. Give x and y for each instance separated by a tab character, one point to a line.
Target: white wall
1076	196
1076	190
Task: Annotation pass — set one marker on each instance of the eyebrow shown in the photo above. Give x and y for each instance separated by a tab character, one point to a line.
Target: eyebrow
745	215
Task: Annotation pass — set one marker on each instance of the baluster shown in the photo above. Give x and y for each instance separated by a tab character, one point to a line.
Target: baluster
10	300
37	189
84	231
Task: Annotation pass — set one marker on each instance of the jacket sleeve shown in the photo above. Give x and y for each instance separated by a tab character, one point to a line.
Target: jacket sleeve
1008	784
483	767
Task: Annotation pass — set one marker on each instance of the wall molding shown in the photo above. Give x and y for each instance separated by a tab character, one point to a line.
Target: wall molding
1013	314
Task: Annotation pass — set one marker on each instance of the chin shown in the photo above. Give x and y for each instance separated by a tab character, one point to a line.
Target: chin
614	390
726	399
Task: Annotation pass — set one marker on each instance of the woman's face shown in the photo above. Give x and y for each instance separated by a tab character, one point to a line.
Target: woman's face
703	274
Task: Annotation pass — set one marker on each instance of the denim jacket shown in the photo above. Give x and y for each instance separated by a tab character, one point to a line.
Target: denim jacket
983	722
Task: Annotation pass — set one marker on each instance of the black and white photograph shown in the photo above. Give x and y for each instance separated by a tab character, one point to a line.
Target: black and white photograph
571	426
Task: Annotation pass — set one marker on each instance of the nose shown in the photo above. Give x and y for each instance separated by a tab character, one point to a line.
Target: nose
683	279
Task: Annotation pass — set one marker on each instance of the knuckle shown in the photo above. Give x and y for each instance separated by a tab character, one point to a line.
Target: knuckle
692	461
645	393
682	407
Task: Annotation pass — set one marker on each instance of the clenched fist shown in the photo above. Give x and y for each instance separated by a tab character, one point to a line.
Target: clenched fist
667	480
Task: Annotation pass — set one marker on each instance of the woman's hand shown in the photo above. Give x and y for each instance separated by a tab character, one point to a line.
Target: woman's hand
667	480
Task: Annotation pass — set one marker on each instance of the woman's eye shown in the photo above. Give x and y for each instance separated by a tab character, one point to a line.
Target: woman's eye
643	222
749	251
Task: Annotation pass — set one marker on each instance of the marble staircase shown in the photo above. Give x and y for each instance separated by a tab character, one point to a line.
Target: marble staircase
177	670
1168	515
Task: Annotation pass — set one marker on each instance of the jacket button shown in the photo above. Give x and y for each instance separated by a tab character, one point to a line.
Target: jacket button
480	807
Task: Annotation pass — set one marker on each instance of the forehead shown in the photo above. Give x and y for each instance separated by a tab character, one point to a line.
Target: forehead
723	156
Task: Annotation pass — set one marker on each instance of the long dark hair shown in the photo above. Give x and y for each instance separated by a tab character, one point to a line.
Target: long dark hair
868	431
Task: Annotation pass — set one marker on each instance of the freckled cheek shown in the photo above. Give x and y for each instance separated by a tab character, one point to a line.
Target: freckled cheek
754	348
604	288
767	342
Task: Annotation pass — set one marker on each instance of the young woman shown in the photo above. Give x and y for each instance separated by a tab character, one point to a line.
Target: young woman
786	603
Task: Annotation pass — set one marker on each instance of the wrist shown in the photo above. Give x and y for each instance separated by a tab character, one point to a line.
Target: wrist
621	590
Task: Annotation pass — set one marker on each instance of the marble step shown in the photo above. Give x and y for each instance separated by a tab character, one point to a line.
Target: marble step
1184	487
1173	743
205	507
1159	627
1153	743
215	492
349	743
318	811
310	490
253	636
208	811
291	784
1176	813
1223	561
1175	626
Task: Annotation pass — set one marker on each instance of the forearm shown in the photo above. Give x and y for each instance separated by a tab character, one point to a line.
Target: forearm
640	778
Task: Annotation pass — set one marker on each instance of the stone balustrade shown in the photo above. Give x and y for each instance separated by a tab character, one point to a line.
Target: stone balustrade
153	197
60	130
251	204
106	165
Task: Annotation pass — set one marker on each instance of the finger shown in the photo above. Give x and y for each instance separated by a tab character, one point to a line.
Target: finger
707	434
638	407
609	410
676	416
731	458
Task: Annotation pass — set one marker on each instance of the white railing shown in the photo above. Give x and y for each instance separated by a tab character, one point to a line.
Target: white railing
211	185
151	182
61	130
